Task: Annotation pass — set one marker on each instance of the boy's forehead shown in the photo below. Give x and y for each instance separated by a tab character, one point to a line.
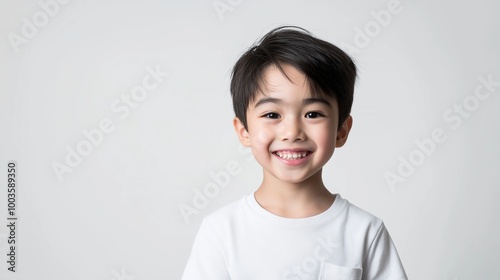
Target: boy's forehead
287	85
273	77
290	84
277	84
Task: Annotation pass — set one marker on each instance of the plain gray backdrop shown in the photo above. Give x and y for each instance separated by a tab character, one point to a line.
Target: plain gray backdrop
119	117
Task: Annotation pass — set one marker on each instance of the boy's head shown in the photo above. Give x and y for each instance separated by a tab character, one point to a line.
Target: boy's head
329	71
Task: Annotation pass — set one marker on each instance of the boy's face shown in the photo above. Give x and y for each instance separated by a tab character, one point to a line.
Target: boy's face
292	134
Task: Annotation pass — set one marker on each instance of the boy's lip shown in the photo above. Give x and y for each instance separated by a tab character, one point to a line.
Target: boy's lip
295	150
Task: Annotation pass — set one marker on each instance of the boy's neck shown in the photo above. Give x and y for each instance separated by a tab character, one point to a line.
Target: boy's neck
294	200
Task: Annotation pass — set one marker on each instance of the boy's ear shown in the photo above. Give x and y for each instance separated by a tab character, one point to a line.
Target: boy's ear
343	132
241	132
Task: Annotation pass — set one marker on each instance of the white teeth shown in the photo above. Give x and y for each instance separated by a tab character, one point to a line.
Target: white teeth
288	155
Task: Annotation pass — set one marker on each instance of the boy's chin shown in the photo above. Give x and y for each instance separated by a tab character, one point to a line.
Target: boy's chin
298	179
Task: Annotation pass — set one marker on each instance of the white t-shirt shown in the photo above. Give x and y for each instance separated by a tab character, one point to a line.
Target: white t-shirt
244	241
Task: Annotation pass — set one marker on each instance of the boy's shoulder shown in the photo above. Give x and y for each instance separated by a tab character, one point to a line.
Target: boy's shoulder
360	214
227	212
359	222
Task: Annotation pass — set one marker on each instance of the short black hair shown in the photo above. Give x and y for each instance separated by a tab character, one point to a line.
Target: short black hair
329	71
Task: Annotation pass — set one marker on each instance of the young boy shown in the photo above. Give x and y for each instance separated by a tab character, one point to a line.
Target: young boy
292	95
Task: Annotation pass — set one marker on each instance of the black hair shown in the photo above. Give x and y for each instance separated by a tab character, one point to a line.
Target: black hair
329	71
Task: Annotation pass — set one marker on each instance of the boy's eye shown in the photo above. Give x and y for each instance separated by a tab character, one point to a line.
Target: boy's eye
313	115
271	116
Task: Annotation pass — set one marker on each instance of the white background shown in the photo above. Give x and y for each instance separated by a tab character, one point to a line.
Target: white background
116	215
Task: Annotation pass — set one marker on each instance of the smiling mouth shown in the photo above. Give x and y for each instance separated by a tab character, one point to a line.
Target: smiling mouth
292	155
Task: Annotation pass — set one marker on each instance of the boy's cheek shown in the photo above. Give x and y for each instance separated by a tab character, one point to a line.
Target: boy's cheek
263	137
326	141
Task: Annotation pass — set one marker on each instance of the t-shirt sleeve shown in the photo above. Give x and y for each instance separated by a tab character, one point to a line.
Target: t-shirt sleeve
382	260
206	261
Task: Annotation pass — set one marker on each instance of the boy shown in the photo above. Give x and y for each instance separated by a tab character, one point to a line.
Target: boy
292	95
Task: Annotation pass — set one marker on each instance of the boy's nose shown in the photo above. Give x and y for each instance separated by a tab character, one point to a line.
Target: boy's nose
292	131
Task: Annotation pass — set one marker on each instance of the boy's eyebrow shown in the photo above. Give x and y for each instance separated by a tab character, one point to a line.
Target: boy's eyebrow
267	100
308	101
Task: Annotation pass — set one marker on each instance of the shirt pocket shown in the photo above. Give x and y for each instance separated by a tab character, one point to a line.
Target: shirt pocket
335	272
